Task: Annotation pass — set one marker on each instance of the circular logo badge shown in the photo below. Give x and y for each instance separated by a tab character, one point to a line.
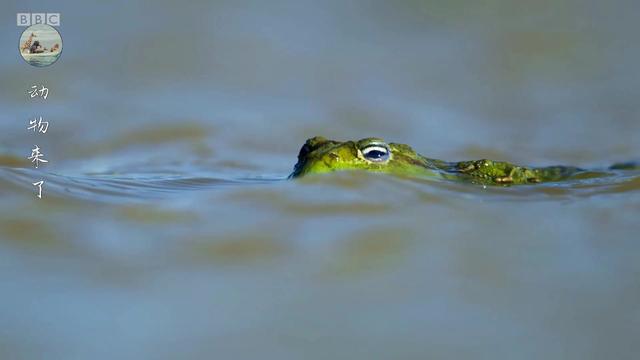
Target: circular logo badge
40	45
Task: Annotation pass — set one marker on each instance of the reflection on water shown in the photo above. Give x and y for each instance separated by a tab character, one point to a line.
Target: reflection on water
355	257
167	228
139	188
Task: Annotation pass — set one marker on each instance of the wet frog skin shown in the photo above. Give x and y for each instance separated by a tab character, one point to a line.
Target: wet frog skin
320	155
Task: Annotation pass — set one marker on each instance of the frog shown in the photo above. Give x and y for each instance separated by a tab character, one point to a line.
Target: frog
320	155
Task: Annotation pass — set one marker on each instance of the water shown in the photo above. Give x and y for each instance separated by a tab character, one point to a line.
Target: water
167	227
43	60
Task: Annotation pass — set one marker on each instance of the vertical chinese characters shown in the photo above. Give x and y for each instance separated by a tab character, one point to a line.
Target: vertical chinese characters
38	125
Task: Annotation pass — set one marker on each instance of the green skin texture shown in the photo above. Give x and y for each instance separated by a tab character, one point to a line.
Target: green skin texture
319	155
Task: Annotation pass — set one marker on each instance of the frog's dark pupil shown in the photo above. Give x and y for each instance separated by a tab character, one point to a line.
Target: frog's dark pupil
376	154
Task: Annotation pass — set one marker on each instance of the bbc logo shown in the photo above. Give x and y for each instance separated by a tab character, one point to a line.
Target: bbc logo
28	19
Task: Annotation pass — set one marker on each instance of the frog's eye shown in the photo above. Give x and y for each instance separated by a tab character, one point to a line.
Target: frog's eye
378	152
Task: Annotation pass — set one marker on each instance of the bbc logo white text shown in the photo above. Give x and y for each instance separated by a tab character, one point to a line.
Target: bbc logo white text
28	19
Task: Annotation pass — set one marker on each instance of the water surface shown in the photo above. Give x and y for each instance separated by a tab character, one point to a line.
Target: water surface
167	228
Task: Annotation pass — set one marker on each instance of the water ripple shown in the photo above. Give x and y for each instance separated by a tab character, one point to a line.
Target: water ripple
136	187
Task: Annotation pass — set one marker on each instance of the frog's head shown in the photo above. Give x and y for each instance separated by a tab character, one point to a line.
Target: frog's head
319	155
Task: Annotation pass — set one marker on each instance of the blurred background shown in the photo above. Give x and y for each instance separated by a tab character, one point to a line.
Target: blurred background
164	231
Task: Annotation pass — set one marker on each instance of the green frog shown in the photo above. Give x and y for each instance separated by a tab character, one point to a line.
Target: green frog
320	155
